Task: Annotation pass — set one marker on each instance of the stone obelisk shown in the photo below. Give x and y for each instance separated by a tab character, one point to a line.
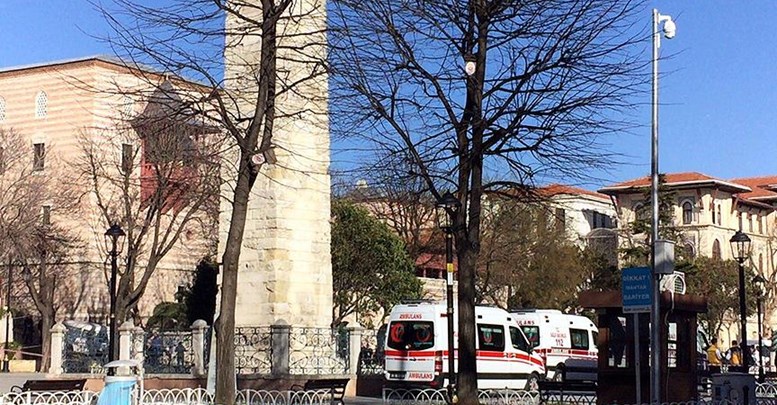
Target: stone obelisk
285	267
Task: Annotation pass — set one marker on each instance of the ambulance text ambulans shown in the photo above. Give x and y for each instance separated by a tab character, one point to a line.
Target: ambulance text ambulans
416	348
558	337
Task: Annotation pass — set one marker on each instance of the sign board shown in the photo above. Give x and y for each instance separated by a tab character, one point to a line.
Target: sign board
637	289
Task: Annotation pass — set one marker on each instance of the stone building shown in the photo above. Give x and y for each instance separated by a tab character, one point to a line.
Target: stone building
57	106
708	211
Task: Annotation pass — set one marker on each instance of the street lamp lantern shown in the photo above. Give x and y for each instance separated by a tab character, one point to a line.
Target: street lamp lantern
447	207
740	246
114	239
740	249
114	242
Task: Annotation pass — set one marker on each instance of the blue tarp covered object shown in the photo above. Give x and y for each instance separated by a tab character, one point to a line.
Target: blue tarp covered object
117	391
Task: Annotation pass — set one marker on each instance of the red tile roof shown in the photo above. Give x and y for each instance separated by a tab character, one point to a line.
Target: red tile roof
763	187
561	189
676	179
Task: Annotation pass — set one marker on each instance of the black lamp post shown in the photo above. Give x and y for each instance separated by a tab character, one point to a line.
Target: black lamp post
740	248
447	207
114	237
760	285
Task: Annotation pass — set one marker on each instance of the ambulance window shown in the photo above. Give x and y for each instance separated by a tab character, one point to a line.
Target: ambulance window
579	338
518	340
410	335
595	336
491	337
532	333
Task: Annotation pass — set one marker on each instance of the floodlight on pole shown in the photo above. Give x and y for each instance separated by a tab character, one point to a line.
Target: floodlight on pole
661	24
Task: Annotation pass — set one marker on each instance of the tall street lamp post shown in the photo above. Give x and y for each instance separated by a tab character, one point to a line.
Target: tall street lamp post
113	238
760	285
740	248
668	30
447	207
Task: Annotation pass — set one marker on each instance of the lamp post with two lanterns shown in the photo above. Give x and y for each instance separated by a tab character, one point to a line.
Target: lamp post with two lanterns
740	249
114	238
446	208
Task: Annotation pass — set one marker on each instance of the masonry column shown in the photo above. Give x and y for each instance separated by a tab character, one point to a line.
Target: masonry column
285	269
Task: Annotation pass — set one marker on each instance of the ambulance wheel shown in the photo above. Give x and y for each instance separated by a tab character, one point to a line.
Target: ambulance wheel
533	382
559	374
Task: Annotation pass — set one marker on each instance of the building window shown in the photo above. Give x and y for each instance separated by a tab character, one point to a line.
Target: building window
46	215
41	104
741	220
600	220
39	156
761	262
759	219
127	152
720	218
714	218
716	249
689	251
687	212
561	220
749	222
2	109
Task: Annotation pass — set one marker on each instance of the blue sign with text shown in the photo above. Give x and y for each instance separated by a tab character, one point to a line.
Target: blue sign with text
637	289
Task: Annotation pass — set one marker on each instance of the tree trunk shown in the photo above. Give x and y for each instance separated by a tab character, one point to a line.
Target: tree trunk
467	384
46	323
225	323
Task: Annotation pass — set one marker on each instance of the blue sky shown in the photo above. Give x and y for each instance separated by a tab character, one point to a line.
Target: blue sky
718	91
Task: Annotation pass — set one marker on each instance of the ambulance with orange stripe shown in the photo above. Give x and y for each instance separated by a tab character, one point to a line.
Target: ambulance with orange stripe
558	337
416	348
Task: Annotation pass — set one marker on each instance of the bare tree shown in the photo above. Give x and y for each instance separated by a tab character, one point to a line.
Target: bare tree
544	82
161	185
272	48
28	239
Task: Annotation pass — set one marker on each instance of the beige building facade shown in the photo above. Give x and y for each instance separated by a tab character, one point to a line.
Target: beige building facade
708	211
57	106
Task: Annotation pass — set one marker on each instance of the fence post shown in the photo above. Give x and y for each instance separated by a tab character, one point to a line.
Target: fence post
355	346
138	343
125	339
198	347
280	341
57	348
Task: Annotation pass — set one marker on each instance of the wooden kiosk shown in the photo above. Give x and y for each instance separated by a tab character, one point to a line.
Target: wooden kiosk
617	374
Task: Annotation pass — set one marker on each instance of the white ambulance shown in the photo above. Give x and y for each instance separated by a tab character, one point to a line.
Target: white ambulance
559	339
416	348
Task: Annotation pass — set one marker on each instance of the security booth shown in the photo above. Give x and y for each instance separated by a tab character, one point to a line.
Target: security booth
617	374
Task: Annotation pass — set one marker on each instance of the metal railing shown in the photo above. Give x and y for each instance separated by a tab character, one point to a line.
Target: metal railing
167	352
316	351
253	350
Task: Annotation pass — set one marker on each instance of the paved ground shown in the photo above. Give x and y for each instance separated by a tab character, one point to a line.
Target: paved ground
8	380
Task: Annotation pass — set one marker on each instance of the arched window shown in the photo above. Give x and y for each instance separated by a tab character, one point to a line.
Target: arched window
716	249
41	104
689	251
2	109
687	212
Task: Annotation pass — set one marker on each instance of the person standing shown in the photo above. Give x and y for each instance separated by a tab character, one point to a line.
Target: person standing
714	357
734	354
